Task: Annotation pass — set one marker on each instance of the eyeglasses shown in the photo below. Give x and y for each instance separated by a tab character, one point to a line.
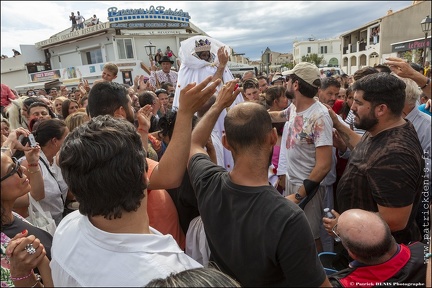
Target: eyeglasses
15	169
334	229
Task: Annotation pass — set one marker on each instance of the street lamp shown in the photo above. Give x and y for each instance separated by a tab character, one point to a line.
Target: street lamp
426	26
150	50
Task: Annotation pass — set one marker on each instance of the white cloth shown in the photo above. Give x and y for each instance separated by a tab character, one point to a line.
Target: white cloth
193	69
196	242
83	255
53	201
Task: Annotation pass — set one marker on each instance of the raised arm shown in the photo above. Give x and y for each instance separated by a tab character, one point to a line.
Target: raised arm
279	116
223	60
403	69
202	131
170	171
350	137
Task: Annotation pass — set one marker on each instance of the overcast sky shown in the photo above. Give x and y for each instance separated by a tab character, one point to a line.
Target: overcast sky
248	27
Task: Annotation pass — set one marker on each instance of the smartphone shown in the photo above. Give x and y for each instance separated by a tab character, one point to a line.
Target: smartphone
32	140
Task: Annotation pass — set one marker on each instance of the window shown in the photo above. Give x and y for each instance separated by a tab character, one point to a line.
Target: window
323	49
93	56
125	49
309	50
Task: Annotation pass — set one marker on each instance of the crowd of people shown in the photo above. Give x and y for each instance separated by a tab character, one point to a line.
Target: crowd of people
197	177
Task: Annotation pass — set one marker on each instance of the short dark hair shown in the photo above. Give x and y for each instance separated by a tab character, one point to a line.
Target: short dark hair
383	68
246	125
147	97
166	123
103	163
166	85
41	104
383	88
106	97
363	72
328	82
305	88
263	77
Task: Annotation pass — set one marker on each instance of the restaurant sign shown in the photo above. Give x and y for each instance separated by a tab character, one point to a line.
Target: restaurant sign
152	13
411	45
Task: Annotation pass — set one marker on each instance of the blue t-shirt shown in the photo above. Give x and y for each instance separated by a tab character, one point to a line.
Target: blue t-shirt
423	109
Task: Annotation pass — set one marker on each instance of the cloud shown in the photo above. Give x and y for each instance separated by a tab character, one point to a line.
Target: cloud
247	26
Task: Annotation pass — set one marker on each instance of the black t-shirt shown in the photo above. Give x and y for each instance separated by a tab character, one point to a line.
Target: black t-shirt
185	201
18	225
254	234
386	170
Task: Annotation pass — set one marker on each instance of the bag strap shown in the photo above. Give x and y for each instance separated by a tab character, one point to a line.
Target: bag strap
49	170
34	203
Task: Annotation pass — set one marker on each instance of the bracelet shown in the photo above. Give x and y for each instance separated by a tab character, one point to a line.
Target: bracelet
38	280
33	164
33	172
143	130
21	278
427	83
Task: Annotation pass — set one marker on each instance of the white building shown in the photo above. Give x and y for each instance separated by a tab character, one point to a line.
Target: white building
127	39
330	49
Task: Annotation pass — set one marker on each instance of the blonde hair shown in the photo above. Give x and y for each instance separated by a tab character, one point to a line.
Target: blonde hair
76	119
111	67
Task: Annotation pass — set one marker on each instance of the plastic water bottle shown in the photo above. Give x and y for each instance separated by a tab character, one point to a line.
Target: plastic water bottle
328	214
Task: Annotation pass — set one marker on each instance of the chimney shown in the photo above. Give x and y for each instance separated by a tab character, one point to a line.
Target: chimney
390	11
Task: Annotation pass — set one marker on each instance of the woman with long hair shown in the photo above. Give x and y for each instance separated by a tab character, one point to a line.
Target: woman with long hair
58	106
69	106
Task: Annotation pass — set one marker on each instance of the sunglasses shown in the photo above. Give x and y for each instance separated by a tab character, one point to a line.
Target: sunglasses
15	169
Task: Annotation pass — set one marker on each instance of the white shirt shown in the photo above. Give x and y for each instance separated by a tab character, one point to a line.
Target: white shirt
83	255
303	133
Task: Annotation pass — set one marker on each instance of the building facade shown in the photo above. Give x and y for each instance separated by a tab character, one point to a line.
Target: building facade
396	34
329	49
130	39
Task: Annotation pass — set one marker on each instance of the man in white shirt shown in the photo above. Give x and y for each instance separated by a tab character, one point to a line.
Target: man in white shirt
79	20
306	145
109	242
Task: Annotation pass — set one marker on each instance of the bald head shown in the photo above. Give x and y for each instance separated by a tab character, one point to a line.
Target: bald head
247	125
366	235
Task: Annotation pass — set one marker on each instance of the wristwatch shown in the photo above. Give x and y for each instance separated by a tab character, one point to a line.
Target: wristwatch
298	196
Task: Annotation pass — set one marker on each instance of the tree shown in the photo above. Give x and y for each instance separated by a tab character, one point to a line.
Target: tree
313	58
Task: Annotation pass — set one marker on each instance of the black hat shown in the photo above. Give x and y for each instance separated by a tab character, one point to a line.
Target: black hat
165	59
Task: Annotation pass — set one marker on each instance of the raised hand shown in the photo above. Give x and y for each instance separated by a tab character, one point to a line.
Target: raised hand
193	95
222	56
227	94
